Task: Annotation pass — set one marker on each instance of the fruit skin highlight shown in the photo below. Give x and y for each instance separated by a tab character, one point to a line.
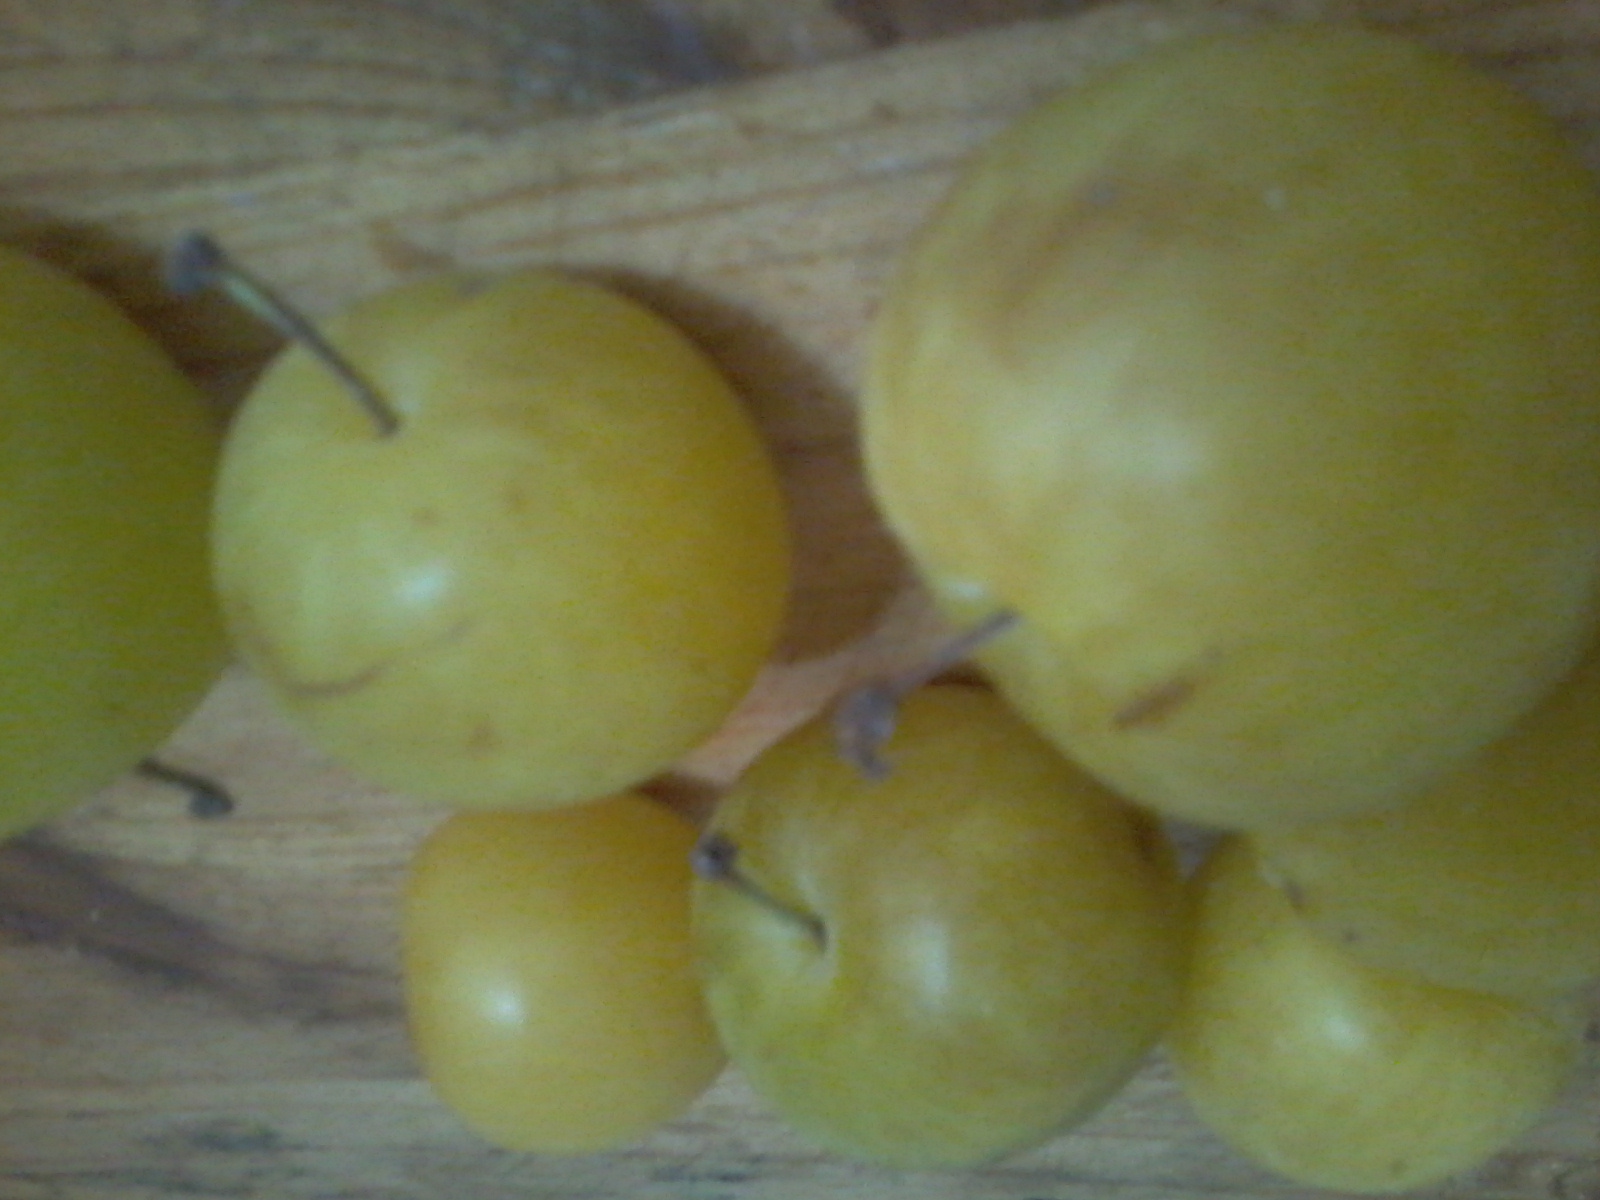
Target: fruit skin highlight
109	633
1002	939
1261	377
1338	1075
561	573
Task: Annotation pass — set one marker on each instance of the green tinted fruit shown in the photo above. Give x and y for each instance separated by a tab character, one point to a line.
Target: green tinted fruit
109	634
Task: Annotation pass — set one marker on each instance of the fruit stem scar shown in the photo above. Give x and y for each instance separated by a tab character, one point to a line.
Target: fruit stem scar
199	262
207	797
715	859
865	719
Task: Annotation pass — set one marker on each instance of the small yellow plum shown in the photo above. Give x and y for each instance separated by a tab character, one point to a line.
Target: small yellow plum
550	982
945	966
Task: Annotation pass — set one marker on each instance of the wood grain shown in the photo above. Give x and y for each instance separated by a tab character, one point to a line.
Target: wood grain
209	1008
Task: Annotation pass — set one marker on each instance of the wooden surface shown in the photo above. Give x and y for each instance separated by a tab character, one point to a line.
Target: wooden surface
208	1008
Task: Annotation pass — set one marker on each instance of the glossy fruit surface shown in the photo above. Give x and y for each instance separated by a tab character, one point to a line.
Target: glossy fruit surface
1000	939
1260	377
549	978
1490	879
109	634
562	572
1338	1075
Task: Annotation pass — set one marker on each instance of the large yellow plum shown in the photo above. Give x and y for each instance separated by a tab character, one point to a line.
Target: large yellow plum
1261	377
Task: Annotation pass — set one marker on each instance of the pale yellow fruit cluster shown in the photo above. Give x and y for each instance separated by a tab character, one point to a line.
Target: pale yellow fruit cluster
552	563
514	546
1247	394
1259	380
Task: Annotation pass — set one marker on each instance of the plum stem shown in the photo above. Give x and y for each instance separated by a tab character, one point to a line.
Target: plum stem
715	858
198	262
865	719
207	797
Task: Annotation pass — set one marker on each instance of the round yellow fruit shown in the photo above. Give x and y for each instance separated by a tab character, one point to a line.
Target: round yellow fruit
1490	879
1261	377
549	976
562	571
952	964
1338	1075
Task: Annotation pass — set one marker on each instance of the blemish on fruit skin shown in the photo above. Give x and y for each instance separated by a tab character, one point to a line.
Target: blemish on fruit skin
333	689
484	739
1295	894
1057	262
264	655
1149	843
1156	705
